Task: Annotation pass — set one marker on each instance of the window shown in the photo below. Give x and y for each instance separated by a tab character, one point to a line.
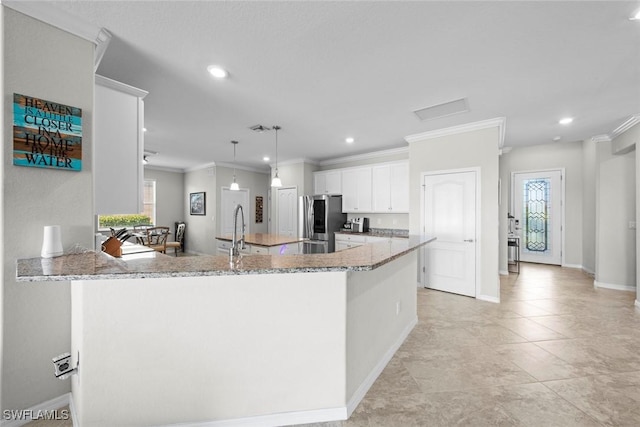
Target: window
149	203
147	217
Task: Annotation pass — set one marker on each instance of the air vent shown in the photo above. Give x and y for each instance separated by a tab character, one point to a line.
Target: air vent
259	128
443	110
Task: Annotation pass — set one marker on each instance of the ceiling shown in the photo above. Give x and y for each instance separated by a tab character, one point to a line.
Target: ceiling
325	71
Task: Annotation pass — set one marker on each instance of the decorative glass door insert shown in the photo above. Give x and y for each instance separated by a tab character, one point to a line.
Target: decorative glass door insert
536	208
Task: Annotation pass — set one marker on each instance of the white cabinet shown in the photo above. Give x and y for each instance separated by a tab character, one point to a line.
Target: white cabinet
356	190
327	182
286	249
118	147
346	241
390	188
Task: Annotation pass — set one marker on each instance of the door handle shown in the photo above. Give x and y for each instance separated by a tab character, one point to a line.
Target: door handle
468	240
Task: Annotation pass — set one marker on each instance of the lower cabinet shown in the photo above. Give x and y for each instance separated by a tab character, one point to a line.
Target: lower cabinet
286	249
346	241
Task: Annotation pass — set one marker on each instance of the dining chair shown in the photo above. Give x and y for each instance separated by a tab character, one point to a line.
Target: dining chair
157	238
179	239
140	233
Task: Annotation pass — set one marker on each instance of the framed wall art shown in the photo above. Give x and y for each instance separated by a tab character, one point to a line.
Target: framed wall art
197	205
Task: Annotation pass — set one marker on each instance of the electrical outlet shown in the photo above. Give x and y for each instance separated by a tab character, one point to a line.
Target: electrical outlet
62	364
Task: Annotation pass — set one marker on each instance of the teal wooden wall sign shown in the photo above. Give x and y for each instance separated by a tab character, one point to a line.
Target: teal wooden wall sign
46	134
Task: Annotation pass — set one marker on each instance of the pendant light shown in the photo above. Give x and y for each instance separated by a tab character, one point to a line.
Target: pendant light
276	182
234	185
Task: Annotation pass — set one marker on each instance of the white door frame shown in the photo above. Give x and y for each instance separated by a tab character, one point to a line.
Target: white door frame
512	205
277	224
477	170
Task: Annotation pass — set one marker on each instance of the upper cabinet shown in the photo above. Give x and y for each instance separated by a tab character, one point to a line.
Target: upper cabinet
378	188
118	147
390	188
327	182
356	190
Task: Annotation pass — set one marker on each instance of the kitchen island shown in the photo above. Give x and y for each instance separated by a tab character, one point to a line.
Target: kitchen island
260	340
263	244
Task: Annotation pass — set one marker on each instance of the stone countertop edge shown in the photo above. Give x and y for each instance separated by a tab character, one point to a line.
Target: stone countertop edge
99	266
264	239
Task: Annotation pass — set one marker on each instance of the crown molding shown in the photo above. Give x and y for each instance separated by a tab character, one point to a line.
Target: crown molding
49	14
628	124
498	122
200	167
505	150
121	87
601	138
365	156
294	162
241	167
164	168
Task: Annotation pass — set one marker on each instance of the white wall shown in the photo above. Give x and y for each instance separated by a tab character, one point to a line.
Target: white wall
200	234
589	206
170	196
616	205
258	184
548	156
464	150
45	62
209	348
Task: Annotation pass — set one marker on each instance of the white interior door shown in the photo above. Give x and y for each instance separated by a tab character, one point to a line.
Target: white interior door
288	211
537	207
228	203
450	215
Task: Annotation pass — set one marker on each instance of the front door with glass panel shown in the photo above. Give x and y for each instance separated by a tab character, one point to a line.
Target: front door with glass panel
537	207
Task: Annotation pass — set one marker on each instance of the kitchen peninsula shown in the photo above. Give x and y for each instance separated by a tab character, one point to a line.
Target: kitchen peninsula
261	243
260	340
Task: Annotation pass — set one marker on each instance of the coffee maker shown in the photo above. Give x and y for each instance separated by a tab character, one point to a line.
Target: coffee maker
360	225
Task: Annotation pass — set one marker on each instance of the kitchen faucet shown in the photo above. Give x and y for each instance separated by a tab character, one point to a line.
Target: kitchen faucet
234	250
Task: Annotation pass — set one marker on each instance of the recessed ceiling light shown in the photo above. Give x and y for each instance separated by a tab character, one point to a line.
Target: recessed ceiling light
265	158
565	121
217	71
635	16
144	129
349	140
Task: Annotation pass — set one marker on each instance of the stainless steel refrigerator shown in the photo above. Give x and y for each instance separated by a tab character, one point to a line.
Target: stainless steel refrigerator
320	217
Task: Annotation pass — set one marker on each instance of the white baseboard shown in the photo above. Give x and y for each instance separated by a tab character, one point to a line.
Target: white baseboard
504	272
573	266
314	416
43	410
287	418
589	272
637	304
359	394
628	288
488	298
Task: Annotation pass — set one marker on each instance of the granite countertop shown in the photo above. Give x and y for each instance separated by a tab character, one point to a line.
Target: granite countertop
100	266
262	239
378	232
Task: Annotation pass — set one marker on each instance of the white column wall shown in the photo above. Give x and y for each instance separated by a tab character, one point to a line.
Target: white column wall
45	62
467	149
615	200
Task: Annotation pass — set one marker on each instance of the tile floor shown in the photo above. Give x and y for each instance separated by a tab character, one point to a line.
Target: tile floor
554	352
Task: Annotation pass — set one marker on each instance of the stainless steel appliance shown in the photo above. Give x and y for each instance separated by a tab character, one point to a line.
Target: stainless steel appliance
360	225
320	217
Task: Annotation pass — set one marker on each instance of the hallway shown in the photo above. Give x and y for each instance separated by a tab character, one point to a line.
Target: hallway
555	352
